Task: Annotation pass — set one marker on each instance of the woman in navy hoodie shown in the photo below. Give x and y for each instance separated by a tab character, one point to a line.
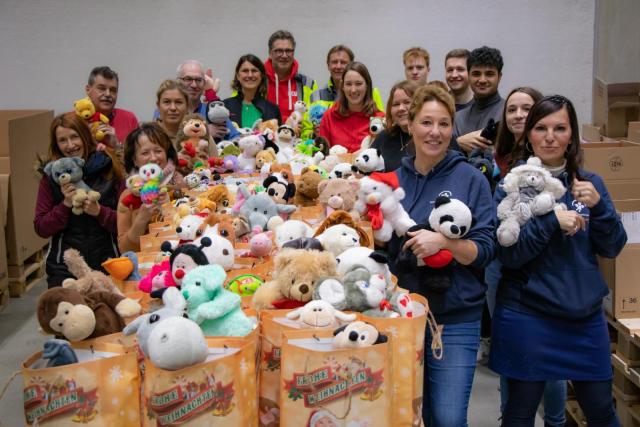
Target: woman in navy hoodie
433	171
548	323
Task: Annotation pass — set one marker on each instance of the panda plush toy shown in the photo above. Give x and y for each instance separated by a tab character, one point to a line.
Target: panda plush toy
452	219
368	161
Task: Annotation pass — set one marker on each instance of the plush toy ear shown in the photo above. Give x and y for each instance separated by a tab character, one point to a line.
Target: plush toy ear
355	185
269	180
295	314
381	339
205	242
354	168
291	191
322	185
364	237
304	170
344	316
441	200
379	257
173	298
133	327
378	152
166	246
78	161
340	329
510	184
48	169
555	186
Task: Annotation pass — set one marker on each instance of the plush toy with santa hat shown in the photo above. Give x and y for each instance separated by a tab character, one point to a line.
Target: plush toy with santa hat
379	199
322	418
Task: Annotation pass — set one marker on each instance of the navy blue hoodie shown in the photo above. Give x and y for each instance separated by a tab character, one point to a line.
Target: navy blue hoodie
547	272
453	176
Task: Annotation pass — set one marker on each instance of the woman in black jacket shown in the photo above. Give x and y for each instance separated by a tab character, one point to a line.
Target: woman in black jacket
249	103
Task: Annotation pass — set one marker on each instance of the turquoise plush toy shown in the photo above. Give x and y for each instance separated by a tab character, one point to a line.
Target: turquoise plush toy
214	308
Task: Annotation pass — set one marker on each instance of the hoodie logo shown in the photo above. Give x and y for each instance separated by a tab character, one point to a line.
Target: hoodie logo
293	93
445	193
578	206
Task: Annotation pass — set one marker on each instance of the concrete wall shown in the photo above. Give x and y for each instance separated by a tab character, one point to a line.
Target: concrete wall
48	47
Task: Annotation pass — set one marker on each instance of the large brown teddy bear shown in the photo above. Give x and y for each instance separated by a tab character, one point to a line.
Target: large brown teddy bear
339	194
67	313
295	274
307	188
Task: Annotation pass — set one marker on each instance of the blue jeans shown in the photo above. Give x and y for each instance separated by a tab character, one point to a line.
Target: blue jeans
555	396
447	382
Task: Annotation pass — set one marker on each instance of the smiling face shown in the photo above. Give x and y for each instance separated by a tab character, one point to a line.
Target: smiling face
249	77
517	109
336	64
400	109
281	55
550	137
103	93
484	80
191	77
431	129
355	88
148	152
456	74
69	142
172	107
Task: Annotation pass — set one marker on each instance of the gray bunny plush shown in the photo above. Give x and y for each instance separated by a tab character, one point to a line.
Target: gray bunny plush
167	337
69	170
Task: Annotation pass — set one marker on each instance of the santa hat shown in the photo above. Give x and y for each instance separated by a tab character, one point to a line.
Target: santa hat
388	178
319	414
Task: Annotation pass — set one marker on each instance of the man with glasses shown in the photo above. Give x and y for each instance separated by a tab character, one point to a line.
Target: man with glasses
285	85
196	82
102	89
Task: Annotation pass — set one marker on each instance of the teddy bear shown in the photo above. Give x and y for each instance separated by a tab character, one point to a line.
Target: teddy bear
368	161
87	280
221	196
67	313
134	184
166	337
290	230
530	190
158	278
379	199
217	310
339	194
261	211
69	170
250	146
307	187
357	335
85	109
265	158
319	314
194	142
293	279
376	125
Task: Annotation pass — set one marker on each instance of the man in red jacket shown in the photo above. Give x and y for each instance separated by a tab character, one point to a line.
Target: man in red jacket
285	85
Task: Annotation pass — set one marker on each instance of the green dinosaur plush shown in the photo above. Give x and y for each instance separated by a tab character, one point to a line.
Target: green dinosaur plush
214	308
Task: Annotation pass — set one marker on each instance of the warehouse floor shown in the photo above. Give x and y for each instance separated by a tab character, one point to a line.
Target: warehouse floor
19	337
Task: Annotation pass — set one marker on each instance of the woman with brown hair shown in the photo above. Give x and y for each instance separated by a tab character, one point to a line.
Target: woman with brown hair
394	142
172	102
149	143
93	233
346	123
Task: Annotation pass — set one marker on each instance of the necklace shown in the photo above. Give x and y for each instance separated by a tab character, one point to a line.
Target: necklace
403	145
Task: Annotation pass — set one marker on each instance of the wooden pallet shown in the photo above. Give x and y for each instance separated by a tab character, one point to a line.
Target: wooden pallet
24	276
4	298
575	417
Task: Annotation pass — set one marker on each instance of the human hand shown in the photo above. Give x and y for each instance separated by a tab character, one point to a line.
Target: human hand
473	140
146	213
217	131
91	207
110	138
570	222
585	192
424	243
68	191
210	82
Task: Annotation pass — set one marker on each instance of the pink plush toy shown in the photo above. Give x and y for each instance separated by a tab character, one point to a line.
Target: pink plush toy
261	244
159	278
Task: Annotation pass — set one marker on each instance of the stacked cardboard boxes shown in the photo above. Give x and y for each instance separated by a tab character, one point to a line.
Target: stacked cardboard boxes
614	106
23	135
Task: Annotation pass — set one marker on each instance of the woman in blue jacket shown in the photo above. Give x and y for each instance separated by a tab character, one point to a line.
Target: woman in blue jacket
548	323
433	171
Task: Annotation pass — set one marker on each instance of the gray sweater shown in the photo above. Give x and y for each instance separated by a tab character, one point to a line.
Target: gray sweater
478	114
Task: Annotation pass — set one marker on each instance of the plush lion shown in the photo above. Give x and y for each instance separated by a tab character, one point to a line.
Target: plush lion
531	191
295	273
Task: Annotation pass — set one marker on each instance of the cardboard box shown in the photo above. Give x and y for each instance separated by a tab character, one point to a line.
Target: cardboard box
633	133
591	133
23	135
622	274
4	275
615	105
618	160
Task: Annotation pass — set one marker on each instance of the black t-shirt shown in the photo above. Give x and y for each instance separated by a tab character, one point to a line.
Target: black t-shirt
394	146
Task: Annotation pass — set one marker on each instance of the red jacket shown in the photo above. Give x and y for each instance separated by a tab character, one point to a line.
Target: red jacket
288	90
347	131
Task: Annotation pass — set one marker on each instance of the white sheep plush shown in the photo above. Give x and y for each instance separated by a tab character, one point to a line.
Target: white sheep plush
379	198
531	191
338	238
291	230
167	337
320	314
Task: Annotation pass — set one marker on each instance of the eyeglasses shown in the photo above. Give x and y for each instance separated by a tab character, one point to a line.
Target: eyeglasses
282	52
188	80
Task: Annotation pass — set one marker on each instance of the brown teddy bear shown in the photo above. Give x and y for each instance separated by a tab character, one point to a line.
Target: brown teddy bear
87	280
265	157
339	194
221	196
307	188
194	143
295	274
67	313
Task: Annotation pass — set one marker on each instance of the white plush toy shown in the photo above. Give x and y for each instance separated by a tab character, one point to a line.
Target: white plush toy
220	251
341	170
167	337
320	314
531	191
369	161
374	261
250	146
290	230
376	125
338	149
190	228
299	108
338	238
379	198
